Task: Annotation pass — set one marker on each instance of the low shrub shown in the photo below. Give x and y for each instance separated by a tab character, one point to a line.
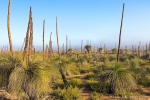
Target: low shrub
84	69
132	56
104	59
68	93
123	58
89	75
95	96
93	85
75	82
112	58
98	86
144	81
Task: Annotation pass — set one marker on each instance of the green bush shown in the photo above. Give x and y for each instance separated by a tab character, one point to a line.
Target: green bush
93	85
123	58
112	58
75	82
98	86
82	60
95	96
101	68
144	81
145	56
68	93
104	59
132	56
89	75
74	59
84	69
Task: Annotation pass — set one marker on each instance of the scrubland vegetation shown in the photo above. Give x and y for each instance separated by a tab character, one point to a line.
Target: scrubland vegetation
85	74
93	75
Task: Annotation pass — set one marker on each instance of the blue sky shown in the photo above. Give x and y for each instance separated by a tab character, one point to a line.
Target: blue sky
93	20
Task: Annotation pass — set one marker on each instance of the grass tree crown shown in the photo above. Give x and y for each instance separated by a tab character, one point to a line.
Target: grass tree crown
88	48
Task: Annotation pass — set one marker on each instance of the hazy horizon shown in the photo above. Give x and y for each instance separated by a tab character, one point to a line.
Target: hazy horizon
97	21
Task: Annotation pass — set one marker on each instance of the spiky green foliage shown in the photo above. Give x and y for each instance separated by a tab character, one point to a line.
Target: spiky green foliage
119	78
136	70
31	81
75	82
7	64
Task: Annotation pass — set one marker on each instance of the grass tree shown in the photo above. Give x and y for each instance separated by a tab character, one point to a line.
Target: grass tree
119	79
100	50
31	81
70	50
7	65
88	48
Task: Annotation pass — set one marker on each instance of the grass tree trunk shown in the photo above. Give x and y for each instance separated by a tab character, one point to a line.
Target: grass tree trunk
132	49
139	50
8	28
146	48
143	50
149	48
126	50
66	44
34	51
81	46
31	38
118	53
46	51
43	40
104	49
135	50
60	69
57	40
23	44
63	49
27	36
30	42
50	46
